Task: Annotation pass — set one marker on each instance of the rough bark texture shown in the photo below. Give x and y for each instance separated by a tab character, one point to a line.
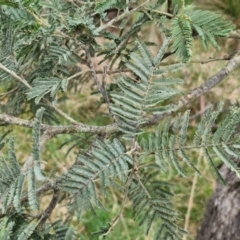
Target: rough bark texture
221	220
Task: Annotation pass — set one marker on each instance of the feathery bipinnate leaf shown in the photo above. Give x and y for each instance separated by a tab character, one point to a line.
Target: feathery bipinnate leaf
43	86
11	180
169	147
152	201
28	230
33	168
62	231
106	161
207	24
59	54
2	137
182	38
6	228
6	52
32	196
137	98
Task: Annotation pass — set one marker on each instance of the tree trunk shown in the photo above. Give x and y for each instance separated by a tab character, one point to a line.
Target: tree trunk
221	220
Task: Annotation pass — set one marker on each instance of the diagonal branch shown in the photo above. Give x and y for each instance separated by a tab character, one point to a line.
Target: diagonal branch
13	74
120	17
47	213
100	86
232	64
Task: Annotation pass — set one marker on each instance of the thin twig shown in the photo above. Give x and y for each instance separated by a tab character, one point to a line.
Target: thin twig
120	17
199	113
78	74
105	71
163	13
212	60
109	72
13	74
233	63
92	69
46	214
115	71
60	112
100	86
143	187
9	92
225	58
117	50
104	76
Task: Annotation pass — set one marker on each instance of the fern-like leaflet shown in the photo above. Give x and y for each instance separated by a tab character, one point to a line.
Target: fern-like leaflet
137	98
43	86
106	161
182	38
12	179
13	176
6	52
168	147
152	202
207	24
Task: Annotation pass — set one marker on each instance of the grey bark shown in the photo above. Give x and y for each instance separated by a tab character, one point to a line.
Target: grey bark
221	220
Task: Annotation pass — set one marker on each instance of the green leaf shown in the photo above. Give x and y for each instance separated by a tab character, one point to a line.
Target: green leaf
32	197
182	38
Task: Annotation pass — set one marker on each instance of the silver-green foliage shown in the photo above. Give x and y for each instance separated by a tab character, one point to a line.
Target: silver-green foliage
11	180
138	98
43	86
13	176
208	25
106	161
152	201
42	48
168	144
6	230
6	52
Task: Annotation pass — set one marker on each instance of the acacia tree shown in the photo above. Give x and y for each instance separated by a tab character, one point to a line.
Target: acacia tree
46	46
